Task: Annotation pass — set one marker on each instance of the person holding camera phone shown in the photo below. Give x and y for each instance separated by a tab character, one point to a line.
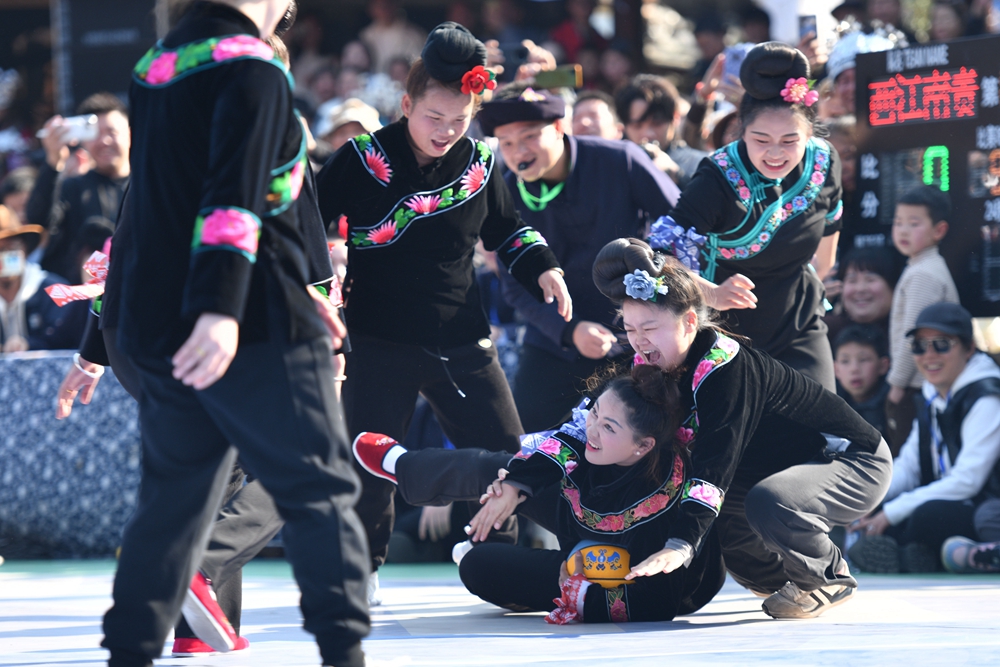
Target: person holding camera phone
63	202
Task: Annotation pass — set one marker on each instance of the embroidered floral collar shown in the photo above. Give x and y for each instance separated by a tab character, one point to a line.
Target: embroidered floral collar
420	204
750	190
162	66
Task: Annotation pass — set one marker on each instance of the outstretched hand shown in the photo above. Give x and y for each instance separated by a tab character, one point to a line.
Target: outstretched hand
734	293
554	289
665	560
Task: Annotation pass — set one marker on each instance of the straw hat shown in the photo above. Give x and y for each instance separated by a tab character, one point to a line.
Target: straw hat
10	226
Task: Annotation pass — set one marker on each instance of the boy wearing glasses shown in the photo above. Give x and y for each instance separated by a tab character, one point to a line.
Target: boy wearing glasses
947	468
919	226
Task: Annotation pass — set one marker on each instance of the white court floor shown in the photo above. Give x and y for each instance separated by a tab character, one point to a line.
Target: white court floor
50	614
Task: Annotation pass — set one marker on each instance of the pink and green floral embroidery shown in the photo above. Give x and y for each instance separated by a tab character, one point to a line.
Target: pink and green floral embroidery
420	204
161	66
230	228
617	604
806	190
642	511
722	353
373	157
286	184
700	491
555	450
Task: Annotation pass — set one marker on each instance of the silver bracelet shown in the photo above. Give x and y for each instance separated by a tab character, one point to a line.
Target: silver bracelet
91	374
339	378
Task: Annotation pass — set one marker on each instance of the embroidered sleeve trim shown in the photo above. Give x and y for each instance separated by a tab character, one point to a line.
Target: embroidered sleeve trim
518	244
617	599
835	215
792	202
552	448
724	350
287	180
227	228
424	204
703	493
645	510
162	67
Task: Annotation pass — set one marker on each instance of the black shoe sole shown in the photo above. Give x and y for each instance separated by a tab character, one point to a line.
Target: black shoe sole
878	554
917	557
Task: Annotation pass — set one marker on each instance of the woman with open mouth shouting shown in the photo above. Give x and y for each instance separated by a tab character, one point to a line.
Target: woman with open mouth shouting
763	214
776	459
418	195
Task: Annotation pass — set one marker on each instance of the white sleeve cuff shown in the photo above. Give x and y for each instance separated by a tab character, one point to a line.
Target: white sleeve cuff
681	546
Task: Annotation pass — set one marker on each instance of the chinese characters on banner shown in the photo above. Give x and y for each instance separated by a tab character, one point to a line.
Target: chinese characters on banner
937	96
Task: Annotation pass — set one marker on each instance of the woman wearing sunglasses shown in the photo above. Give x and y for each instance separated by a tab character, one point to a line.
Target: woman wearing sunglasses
946	480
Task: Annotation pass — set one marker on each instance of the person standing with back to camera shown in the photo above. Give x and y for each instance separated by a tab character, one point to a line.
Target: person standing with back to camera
766	211
418	195
232	349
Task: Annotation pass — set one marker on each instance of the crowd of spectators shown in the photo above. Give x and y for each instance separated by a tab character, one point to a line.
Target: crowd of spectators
60	199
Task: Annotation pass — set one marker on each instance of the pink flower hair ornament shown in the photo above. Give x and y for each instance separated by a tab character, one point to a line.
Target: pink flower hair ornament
799	91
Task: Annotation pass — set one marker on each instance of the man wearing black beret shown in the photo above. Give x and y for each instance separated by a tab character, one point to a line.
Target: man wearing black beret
579	193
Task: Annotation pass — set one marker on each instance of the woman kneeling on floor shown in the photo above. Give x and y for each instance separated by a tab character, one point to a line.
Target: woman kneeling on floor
607	484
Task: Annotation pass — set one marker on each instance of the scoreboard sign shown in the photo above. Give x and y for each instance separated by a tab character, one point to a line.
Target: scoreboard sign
931	115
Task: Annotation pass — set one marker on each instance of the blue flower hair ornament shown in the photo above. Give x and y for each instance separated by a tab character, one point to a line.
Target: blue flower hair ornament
640	285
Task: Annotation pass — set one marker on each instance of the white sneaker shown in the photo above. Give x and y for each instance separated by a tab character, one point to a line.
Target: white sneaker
459	550
374	592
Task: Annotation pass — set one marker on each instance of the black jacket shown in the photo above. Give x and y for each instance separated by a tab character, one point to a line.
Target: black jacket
750	416
412	234
212	219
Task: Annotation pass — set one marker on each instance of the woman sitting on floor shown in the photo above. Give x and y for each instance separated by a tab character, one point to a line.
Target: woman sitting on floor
611	476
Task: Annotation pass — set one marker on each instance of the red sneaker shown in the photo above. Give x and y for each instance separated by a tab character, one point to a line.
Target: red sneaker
187	647
203	614
370	450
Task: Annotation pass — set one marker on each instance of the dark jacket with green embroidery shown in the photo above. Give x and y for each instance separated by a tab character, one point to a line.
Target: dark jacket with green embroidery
218	162
621	506
750	417
412	235
727	197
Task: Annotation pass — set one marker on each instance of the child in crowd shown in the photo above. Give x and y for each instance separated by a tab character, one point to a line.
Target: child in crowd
860	363
868	277
946	480
919	226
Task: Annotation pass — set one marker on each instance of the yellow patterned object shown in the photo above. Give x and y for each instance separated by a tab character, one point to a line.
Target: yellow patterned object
603	564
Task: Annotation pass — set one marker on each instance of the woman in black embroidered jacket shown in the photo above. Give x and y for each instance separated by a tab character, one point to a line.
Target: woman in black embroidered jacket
418	195
610	476
776	459
763	208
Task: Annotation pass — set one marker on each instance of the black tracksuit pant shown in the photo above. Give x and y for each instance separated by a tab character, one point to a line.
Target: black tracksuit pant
380	394
276	403
247	513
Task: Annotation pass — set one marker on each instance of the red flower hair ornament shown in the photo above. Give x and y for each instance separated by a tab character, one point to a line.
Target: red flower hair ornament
478	80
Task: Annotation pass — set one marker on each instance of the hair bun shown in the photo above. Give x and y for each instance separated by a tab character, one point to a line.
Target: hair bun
654	386
768	67
618	259
451	51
